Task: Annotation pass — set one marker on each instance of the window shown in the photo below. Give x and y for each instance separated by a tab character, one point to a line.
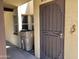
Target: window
15	24
24	22
27	22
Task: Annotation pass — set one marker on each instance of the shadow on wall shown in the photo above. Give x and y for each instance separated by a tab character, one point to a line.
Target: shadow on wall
9	28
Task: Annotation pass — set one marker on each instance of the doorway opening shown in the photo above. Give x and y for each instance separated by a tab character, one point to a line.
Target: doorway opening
19	29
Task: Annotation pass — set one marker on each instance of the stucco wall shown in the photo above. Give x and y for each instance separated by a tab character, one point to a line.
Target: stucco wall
70	46
9	28
37	28
71	39
2	33
25	9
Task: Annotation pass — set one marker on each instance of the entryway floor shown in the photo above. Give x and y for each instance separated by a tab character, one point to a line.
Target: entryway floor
17	53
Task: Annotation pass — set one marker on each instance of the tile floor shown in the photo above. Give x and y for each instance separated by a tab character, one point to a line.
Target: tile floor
17	53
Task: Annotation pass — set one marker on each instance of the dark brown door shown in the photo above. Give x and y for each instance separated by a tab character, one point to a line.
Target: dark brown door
52	30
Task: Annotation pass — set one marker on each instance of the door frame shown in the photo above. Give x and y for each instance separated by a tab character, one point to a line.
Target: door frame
47	3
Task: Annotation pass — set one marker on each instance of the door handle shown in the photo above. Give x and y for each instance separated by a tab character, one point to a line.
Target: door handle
61	35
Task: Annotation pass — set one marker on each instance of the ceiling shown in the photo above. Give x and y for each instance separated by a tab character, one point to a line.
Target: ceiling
15	2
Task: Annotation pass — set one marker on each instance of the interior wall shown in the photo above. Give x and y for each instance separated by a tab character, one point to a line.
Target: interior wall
70	47
9	28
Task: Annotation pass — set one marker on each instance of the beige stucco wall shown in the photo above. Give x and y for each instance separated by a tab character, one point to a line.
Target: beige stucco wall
2	33
37	28
9	28
25	9
71	39
70	46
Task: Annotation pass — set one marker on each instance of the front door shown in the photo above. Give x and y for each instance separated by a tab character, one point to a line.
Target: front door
52	30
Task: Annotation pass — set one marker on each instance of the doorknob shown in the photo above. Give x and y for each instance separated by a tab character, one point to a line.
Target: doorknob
61	35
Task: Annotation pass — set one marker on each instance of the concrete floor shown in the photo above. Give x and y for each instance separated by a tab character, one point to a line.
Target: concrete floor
17	53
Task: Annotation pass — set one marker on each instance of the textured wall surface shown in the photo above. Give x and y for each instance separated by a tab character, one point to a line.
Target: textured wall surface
2	33
71	39
26	9
9	28
37	28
